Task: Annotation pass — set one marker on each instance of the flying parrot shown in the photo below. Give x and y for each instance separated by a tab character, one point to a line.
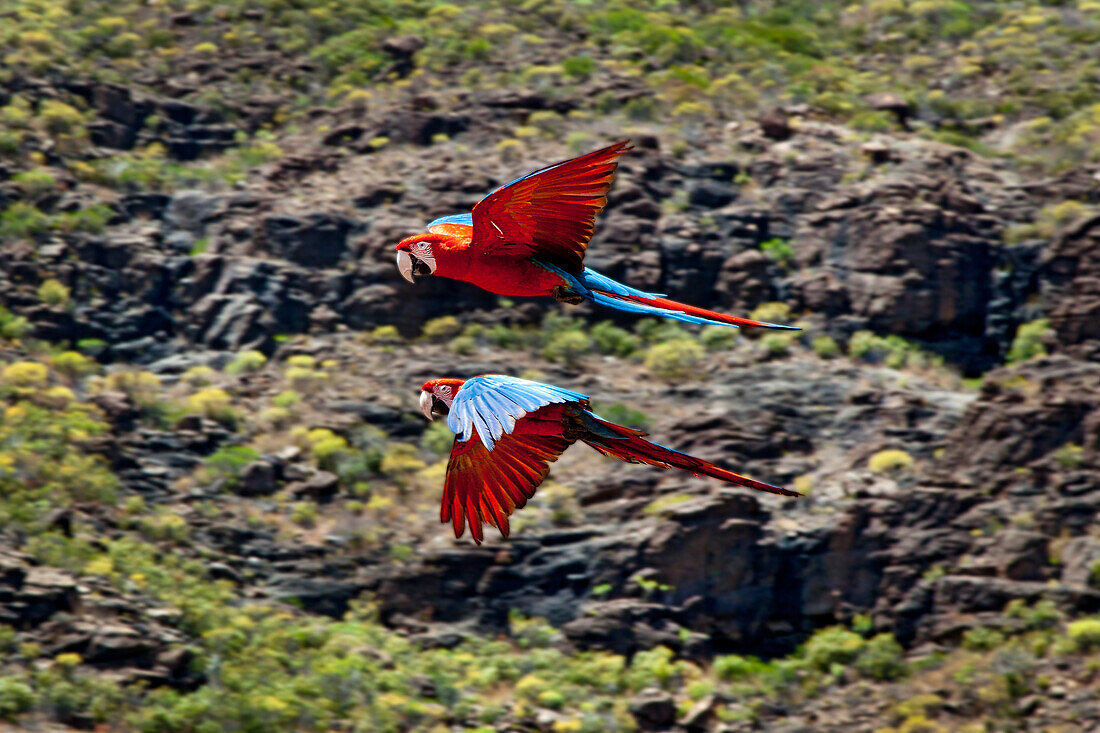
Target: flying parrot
508	430
528	238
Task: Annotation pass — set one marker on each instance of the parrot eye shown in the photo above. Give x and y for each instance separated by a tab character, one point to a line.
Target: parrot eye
444	390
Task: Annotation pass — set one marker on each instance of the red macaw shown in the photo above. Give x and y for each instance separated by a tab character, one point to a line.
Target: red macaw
528	238
508	430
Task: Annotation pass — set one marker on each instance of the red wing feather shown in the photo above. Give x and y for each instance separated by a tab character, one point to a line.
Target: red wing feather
550	213
487	486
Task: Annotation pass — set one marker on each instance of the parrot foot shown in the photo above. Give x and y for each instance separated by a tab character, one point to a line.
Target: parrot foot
563	294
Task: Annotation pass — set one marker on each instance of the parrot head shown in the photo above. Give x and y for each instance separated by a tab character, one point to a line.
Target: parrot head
437	395
416	256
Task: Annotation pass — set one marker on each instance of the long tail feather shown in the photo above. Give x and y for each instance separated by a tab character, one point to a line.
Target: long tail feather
614	294
628	445
679	311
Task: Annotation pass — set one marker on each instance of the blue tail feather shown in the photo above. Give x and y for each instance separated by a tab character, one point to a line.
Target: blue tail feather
602	290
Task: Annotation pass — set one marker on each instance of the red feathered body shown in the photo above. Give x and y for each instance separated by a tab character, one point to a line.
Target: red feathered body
513	277
528	239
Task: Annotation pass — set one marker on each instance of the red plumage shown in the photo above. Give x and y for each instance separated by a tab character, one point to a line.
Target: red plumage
550	213
486	487
529	237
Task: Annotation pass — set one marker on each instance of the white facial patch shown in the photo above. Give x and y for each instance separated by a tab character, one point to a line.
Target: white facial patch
423	252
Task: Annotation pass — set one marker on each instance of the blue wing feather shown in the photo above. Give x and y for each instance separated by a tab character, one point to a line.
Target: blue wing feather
491	404
466	219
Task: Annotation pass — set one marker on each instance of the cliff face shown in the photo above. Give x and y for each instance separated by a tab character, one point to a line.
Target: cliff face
210	449
911	245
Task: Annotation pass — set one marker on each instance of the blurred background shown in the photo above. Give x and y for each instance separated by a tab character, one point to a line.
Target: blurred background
219	505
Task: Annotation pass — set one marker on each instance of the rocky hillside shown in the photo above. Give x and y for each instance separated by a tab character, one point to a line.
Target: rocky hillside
220	506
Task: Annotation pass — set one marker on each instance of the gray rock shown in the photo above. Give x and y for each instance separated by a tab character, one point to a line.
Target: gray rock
256	479
653	709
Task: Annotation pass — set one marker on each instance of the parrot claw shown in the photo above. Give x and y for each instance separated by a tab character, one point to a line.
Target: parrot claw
563	294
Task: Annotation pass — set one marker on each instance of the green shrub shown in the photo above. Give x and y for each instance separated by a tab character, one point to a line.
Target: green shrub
734	667
10	142
286	399
17	113
882	658
831	646
1070	456
890	461
385	335
400	459
199	376
59	118
462	345
653	668
610	339
1053	218
871	121
782	252
1085	633
437	438
92	219
777	344
92	347
73	364
213	403
327	447
12	327
507	337
277	417
303	378
862	344
578	66
25	374
656	330
302	361
826	347
42	464
246	362
893	350
229	461
304	514
675	360
52	292
567	347
34	182
982	638
778	313
1028	343
622	414
124	45
1043	615
441	328
16	697
718	338
22	219
164	527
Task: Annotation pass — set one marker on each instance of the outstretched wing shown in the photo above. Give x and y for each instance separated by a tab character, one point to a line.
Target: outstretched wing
549	213
490	405
484	486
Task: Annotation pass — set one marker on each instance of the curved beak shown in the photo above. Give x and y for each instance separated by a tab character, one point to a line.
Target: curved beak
426	404
405	265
